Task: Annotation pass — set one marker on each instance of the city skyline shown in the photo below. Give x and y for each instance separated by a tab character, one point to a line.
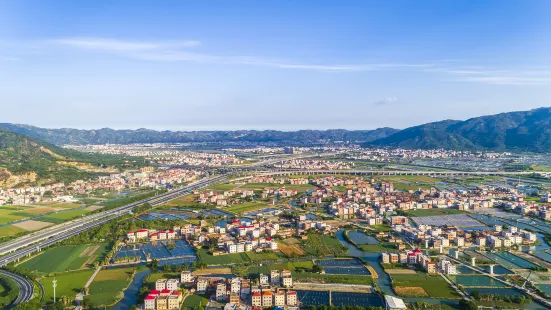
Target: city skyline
312	65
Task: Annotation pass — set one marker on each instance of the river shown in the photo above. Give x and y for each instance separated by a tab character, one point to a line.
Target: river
383	280
131	293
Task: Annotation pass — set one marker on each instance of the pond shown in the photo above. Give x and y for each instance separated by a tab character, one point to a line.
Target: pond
497	270
477	281
344	266
361	238
506	291
156	250
339	298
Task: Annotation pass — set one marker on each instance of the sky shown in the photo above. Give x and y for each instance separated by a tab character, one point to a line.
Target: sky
286	65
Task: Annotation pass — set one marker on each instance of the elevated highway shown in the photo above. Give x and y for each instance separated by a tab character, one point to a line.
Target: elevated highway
25	285
26	245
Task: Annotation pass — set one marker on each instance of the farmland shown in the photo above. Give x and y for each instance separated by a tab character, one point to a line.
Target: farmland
195	301
65	258
254	271
435	286
318	245
209	259
246	207
10	230
64	216
68	284
108	285
433	212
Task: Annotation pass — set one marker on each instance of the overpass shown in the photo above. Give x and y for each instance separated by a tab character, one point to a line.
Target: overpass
393	172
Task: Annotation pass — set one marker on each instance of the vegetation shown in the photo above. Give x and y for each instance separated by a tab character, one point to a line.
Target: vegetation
323	245
20	154
108	286
433	212
68	284
331	278
434	285
8	291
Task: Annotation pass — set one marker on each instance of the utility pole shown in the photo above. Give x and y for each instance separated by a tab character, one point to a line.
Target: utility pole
54	283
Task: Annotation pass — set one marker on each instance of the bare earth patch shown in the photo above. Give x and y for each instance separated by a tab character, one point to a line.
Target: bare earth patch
89	250
208	271
400	271
93	208
410	291
31	225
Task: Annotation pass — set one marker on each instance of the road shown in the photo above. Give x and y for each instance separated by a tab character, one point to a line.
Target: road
24	284
27	245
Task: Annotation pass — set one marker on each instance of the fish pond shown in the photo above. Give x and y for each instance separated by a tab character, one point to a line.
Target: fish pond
475	281
344	266
311	298
360	238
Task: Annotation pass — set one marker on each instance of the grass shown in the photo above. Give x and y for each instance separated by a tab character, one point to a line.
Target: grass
379	248
246	207
63	205
64	258
68	284
8	216
326	278
433	212
223	187
10	230
319	245
261	186
261	257
381	228
181	202
108	285
226	259
194	301
64	216
434	285
254	271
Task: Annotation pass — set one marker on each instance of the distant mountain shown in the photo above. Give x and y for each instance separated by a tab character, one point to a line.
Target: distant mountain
25	159
106	135
520	131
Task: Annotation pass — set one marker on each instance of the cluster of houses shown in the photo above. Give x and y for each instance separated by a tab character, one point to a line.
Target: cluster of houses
243	236
165	296
437	237
415	257
113	182
267	291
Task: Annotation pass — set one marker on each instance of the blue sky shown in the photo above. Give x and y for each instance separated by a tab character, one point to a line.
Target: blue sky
283	65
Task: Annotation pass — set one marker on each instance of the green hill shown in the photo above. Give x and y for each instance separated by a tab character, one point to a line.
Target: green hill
28	160
513	131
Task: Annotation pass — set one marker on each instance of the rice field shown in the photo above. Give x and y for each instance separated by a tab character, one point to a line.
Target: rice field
65	258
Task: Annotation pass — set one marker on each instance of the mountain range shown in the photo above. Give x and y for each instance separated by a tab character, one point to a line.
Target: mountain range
515	131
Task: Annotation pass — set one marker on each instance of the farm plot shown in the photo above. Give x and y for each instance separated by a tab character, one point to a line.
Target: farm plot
459	220
10	230
64	258
68	284
319	245
344	267
433	285
108	285
433	212
63	216
32	225
291	247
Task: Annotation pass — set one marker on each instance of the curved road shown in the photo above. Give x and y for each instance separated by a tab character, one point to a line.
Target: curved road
25	286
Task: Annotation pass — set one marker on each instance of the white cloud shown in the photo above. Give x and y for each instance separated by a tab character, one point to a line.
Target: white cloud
114	45
387	100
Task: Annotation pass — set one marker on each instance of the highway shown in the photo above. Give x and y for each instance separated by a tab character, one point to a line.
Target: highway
26	245
24	284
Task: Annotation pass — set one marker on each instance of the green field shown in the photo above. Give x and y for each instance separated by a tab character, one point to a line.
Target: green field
383	228
68	284
254	271
8	215
10	230
379	248
261	186
64	216
261	257
64	258
208	259
433	212
434	285
332	278
222	187
319	245
246	207
108	286
194	301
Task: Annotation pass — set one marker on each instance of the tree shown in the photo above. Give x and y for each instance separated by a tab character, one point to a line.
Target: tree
475	295
466	304
317	268
166	268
